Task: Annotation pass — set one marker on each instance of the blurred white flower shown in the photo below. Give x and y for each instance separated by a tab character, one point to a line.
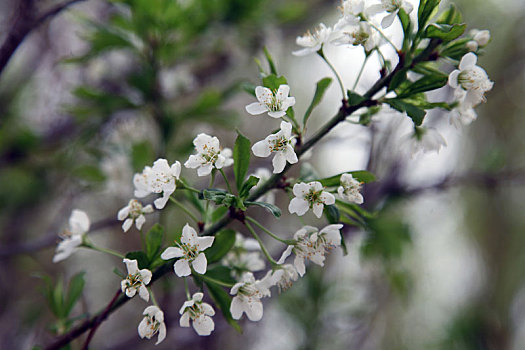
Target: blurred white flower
424	140
248	293
472	79
285	276
280	143
350	9
360	34
244	256
199	313
209	155
349	189
310	195
72	238
152	323
274	102
134	212
392	7
313	42
189	250
136	280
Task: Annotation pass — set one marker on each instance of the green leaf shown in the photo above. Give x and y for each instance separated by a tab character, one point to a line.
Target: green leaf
386	238
320	89
445	32
58	298
141	155
89	173
426	83
354	98
249	88
141	257
450	16
76	286
406	23
332	214
241	159
273	82
270	207
359	175
417	114
221	273
427	8
223	242
154	240
218	213
456	49
223	301
247	186
398	79
269	58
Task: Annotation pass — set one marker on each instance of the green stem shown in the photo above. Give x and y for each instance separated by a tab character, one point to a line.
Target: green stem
360	71
270	233
320	53
187	289
186	210
226	180
261	244
383	35
90	245
213	280
212	181
153	299
184	186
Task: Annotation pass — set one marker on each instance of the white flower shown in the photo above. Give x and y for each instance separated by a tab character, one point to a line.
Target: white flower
470	78
350	188
424	140
72	238
274	102
161	178
248	293
134	212
209	155
280	143
480	38
312	244
199	313
350	9
310	195
356	35
244	256
313	42
392	7
189	250
152	323
135	280
285	276
264	174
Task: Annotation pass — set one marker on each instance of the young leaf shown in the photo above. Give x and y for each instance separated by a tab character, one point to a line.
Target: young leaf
224	241
76	286
426	83
241	159
273	82
270	207
354	98
223	301
320	89
450	16
397	79
445	32
269	58
425	11
415	113
218	213
332	214
141	257
360	175
154	241
247	186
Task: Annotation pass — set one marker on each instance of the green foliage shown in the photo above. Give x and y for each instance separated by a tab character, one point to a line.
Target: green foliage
273	81
271	64
359	175
332	214
386	237
223	301
320	89
427	8
141	155
445	32
241	159
154	240
426	83
141	257
270	207
223	242
450	16
354	98
247	186
415	113
89	173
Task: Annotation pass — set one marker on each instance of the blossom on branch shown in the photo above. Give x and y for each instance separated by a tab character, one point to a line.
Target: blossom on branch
274	102
313	42
392	7
310	195
152	323
134	212
350	188
351	10
248	293
280	143
190	251
72	238
209	155
472	79
161	178
199	313
136	280
360	34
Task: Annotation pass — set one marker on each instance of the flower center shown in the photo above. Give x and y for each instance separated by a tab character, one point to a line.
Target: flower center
313	197
153	325
210	154
392	5
279	144
190	251
135	209
275	102
134	281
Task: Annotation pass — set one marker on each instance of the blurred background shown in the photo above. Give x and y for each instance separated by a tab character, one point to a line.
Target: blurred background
99	89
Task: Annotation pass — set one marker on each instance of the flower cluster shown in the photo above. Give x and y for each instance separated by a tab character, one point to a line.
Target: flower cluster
161	178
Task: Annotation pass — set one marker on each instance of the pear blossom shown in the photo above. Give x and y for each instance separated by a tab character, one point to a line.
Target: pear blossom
276	103
312	244
136	280
189	250
351	10
480	38
462	115
392	7
199	313
285	276
161	178
470	78
424	140
350	188
310	195
209	155
152	323
248	293
313	42
280	143
72	238
134	212
357	35
244	256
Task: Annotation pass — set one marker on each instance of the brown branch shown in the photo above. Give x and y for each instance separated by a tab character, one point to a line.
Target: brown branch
99	319
24	23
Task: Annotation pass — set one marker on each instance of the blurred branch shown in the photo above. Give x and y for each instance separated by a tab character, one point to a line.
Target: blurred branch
25	22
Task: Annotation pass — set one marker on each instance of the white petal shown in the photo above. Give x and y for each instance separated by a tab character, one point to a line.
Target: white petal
203	325
256	108
185	320
261	149
285	254
327	198
306	51
143	293
298	206
254	310
277	114
127	224
162	333
123	213
189	235
194	161
160	203
200	263
290	155
175	169
388	20
208	310
299	265
132	266
205	170
468	61
130	292
140	221
300	189
286	128
318	209
182	268
204	242
236	308
263	94
78	222
278	162
453	79
143	328
146	275
171	252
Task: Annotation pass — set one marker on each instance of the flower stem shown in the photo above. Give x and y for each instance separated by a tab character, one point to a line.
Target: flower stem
90	245
184	186
226	180
153	299
186	210
320	53
270	233
212	181
360	71
187	289
261	244
213	280
383	35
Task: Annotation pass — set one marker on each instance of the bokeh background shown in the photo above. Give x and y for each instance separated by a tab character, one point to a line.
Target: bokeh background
90	97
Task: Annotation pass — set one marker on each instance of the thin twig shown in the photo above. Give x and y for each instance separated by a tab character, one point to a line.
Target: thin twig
99	320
